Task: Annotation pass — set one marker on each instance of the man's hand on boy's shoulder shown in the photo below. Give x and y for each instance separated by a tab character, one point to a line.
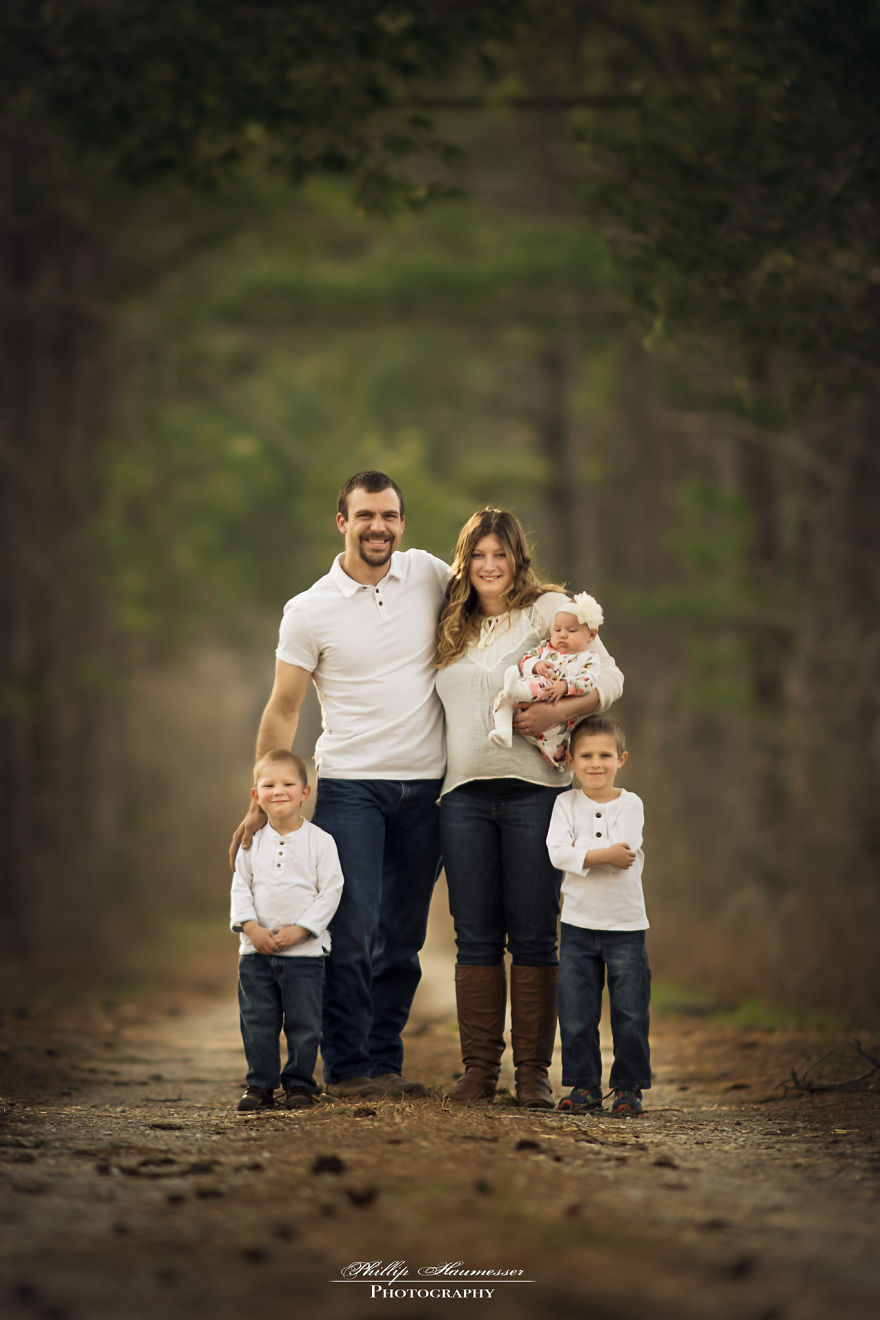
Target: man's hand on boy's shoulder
253	821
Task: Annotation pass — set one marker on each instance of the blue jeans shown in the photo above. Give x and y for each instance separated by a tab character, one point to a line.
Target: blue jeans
503	891
585	956
275	993
387	835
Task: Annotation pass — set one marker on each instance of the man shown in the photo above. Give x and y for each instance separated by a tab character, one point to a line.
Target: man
365	635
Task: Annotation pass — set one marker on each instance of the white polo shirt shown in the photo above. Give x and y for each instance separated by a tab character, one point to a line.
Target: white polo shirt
370	651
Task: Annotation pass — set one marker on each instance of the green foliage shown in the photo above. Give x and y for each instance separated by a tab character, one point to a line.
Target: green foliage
309	344
711	602
740	183
191	89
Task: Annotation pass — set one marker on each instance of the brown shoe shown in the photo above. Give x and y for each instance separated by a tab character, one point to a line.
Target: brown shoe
352	1088
481	999
256	1098
394	1085
533	1031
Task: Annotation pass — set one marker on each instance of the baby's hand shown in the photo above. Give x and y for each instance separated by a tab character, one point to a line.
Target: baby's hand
263	940
287	936
556	692
620	855
543	669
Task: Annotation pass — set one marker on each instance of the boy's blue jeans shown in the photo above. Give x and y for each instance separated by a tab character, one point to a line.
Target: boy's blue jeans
278	993
387	835
586	957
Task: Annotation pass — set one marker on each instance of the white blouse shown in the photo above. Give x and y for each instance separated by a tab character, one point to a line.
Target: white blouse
468	686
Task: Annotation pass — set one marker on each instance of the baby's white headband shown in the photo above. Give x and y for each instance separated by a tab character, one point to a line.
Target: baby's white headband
587	610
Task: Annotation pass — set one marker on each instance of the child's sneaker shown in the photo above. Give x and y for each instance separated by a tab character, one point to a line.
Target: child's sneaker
254	1098
627	1103
582	1100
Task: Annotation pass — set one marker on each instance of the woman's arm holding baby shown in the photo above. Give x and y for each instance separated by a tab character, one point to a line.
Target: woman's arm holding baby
540	715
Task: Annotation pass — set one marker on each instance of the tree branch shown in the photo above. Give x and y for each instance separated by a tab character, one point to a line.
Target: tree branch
551	103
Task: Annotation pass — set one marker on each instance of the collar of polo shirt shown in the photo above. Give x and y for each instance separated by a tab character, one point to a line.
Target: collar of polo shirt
348	586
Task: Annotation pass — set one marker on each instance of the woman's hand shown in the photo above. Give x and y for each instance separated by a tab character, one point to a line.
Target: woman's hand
536	718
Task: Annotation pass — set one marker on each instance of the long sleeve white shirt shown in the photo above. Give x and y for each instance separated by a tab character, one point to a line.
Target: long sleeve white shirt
468	686
287	880
598	897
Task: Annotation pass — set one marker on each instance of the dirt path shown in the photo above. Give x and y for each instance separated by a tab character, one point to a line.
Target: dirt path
130	1188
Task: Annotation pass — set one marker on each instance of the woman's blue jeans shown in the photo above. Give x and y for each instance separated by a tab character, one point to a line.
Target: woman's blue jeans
586	957
275	993
386	833
503	891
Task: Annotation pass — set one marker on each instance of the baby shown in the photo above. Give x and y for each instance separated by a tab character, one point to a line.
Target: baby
558	667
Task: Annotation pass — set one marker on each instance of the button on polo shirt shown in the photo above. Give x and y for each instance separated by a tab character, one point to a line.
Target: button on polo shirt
370	650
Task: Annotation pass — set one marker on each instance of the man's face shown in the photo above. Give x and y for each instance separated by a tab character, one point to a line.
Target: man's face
373	527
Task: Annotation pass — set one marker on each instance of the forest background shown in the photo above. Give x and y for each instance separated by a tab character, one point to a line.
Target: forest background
615	267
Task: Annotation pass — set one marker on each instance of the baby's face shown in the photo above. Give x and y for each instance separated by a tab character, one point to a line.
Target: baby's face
569	635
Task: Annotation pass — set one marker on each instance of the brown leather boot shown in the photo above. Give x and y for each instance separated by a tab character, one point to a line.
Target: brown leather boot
533	1031
481	998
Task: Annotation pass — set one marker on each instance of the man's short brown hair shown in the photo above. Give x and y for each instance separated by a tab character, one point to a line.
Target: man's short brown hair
370	481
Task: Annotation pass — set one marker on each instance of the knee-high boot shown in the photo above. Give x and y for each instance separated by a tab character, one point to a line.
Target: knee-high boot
533	1031
481	998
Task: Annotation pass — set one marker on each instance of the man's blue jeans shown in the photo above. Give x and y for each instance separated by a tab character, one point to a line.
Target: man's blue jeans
274	993
387	835
503	891
585	957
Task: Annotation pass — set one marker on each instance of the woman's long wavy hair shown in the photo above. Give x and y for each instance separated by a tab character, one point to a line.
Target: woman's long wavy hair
461	618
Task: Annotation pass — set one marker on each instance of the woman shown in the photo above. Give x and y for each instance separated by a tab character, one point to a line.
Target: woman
495	809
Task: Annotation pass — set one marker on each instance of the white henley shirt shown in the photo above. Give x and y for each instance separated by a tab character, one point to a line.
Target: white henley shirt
287	880
598	897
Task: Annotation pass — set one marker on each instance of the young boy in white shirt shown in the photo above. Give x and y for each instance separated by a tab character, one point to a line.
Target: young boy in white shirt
595	837
285	889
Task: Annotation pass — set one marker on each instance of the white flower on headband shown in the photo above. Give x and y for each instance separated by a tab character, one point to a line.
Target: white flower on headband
587	610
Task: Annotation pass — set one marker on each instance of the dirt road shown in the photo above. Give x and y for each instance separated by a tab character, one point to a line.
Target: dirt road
130	1188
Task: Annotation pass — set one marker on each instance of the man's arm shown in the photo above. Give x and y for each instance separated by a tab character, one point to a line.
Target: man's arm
277	729
281	717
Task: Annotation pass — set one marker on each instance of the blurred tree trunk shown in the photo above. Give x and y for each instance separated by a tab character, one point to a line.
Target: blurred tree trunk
767	634
563	552
61	745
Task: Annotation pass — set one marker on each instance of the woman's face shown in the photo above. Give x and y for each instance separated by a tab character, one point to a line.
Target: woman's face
491	574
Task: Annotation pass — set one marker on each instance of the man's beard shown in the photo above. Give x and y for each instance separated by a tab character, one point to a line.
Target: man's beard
375	557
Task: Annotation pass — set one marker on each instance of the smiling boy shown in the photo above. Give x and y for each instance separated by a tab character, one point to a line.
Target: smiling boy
285	889
595	838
